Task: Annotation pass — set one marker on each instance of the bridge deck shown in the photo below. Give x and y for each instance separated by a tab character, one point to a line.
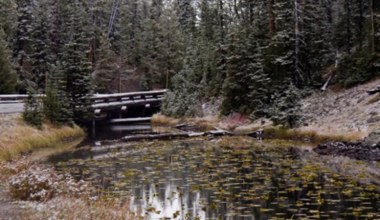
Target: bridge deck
100	102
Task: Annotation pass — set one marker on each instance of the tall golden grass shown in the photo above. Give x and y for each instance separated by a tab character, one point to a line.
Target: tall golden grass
21	138
162	120
203	123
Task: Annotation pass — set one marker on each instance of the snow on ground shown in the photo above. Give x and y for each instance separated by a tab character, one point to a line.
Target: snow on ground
346	111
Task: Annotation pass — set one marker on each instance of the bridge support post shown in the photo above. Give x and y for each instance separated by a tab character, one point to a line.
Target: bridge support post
93	128
123	110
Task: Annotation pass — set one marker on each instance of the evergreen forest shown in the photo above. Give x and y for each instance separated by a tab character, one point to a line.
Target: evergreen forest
258	57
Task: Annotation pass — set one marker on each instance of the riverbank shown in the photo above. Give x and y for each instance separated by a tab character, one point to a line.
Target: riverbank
349	113
32	189
240	125
35	190
17	138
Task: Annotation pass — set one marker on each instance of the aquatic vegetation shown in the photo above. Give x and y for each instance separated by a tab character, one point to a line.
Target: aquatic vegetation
227	178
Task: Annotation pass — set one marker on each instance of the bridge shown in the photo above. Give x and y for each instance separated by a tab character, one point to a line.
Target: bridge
120	107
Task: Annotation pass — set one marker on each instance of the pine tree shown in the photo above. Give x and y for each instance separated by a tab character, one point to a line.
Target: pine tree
75	63
40	46
58	103
375	25
280	54
131	32
245	69
22	43
57	30
186	15
238	69
285	112
8	76
318	52
221	49
33	108
8	20
207	49
172	46
105	68
185	97
344	28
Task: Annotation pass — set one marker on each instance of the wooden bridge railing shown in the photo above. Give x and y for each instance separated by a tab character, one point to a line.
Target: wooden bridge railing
107	101
112	101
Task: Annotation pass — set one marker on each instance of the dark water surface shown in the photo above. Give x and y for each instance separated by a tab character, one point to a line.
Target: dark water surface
225	178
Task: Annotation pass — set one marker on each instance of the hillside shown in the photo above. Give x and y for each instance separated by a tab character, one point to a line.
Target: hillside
345	111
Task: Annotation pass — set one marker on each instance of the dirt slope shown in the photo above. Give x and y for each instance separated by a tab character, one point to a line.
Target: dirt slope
346	111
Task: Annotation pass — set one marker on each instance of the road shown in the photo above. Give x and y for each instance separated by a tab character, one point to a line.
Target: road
11	107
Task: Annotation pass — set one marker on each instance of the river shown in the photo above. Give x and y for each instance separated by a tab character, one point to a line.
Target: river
216	178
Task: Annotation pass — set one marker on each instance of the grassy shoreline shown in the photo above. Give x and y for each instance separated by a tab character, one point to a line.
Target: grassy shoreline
23	150
19	138
311	135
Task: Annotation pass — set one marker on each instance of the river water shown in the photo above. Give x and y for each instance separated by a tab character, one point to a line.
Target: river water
216	178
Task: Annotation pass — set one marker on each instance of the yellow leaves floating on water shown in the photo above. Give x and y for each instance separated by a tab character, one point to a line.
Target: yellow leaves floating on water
256	180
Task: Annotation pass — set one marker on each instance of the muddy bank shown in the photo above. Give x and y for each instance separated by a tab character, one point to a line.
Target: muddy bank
354	150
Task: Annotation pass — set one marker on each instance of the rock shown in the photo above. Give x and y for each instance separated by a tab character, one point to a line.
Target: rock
355	150
373	138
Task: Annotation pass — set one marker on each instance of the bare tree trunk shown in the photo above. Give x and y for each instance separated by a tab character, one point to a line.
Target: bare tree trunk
236	10
298	42
371	42
348	26
271	18
223	59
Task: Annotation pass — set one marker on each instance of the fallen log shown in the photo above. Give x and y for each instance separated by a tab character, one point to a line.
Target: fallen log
170	136
155	137
186	127
374	90
219	132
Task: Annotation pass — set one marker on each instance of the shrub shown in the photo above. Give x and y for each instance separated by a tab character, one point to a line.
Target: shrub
33	110
42	183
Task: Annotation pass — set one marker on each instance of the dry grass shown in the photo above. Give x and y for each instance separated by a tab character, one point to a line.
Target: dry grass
19	138
162	120
82	208
204	123
307	135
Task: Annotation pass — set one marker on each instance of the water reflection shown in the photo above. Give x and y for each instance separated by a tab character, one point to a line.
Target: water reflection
200	179
112	132
167	202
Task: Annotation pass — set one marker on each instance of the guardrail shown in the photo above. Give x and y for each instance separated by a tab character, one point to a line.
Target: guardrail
16	98
106	100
